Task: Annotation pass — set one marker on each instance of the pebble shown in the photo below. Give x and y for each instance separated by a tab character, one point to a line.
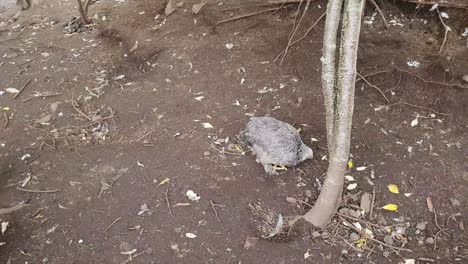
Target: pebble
430	240
388	240
206	153
421	226
316	234
354	236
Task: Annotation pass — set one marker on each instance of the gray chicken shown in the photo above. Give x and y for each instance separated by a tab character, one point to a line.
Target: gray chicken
274	143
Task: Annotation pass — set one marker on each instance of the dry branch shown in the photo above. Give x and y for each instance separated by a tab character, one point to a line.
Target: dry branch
446	3
9	210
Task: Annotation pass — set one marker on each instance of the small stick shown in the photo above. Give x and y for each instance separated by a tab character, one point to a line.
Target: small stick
79	111
420	107
372	74
168	203
373	239
458	85
115	221
359	220
373	86
372	204
6	120
13	208
446	28
246	15
305	34
130	259
22	88
215	211
380	13
295	30
38	191
426	259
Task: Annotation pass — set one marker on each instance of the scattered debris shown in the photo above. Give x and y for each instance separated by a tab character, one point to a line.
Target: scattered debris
192	196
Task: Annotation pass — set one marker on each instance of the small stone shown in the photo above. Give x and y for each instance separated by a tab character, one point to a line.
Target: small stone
386	254
291	200
455	202
388	240
465	77
325	235
308	193
250	242
430	240
206	153
180	4
366	201
354	236
430	41
421	226
316	234
417	232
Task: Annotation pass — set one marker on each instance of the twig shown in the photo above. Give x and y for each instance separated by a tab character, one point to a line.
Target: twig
168	202
373	86
380	13
295	30
372	204
305	34
74	103
439	227
215	211
373	239
420	107
38	191
373	73
115	221
6	120
359	220
130	259
246	15
22	88
433	82
446	28
426	259
13	208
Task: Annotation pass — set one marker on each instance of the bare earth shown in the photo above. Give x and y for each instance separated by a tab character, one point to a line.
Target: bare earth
109	124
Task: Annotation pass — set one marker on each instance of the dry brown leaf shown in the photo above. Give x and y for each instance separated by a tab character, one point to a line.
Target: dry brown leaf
430	206
197	7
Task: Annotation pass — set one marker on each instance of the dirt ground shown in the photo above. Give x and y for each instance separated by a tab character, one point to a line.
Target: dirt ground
104	136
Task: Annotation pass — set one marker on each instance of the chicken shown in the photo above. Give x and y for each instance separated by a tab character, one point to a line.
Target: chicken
274	143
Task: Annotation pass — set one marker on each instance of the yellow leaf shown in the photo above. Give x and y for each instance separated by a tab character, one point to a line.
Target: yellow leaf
350	164
388	229
299	130
164	182
6	108
393	188
360	242
390	207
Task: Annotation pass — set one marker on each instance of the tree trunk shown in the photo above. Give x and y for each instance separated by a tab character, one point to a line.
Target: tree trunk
84	12
342	103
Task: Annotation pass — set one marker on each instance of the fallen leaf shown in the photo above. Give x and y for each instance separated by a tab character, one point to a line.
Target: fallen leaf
207	125
361	168
199	98
190	235
130	252
366	201
393	188
197	7
430	206
408	194
169	8
352	186
163	182
410	261
350	164
291	200
414	122
307	255
278	227
349	178
4	227
12	90
390	207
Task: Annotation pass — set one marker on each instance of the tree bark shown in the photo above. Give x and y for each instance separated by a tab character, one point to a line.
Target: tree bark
329	65
343	105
